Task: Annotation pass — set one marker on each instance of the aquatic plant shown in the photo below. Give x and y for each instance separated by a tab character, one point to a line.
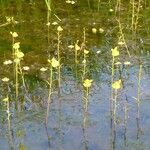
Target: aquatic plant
86	84
59	30
53	63
138	100
6	102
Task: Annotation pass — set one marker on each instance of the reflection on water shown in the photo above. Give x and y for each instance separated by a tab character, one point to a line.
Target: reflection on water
82	115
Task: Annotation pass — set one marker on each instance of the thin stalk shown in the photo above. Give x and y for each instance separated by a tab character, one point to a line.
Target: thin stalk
58	56
9	126
138	100
49	95
98	4
133	15
123	37
137	15
112	80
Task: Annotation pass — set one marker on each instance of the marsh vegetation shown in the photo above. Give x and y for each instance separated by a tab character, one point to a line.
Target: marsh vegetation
74	75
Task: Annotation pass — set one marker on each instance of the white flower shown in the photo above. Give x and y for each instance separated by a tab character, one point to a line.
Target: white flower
71	46
94	30
26	68
43	69
5	79
54	23
7	62
101	30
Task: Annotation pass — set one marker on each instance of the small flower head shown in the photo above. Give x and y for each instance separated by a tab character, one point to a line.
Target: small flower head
6	99
7	62
87	83
127	63
16	45
98	52
121	43
118	63
43	69
94	30
5	79
19	54
101	30
54	62
115	52
55	23
59	29
26	68
86	51
17	60
71	46
48	24
77	47
14	34
111	10
116	85
84	61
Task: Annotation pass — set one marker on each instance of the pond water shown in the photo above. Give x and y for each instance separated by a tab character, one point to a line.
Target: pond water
110	110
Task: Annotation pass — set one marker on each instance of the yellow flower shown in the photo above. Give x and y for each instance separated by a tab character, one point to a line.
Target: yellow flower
115	51
17	60
16	45
87	83
86	51
77	47
54	62
101	30
14	34
59	29
5	79
5	99
116	85
94	30
19	54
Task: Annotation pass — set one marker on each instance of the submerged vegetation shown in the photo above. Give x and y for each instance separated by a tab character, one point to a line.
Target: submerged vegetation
75	71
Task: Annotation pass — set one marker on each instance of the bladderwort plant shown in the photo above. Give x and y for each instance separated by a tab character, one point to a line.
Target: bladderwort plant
138	100
86	52
115	53
122	37
17	57
7	104
53	64
86	84
76	48
85	55
116	85
48	5
59	30
136	6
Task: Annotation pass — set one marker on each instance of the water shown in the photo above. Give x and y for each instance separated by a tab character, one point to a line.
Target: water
26	128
